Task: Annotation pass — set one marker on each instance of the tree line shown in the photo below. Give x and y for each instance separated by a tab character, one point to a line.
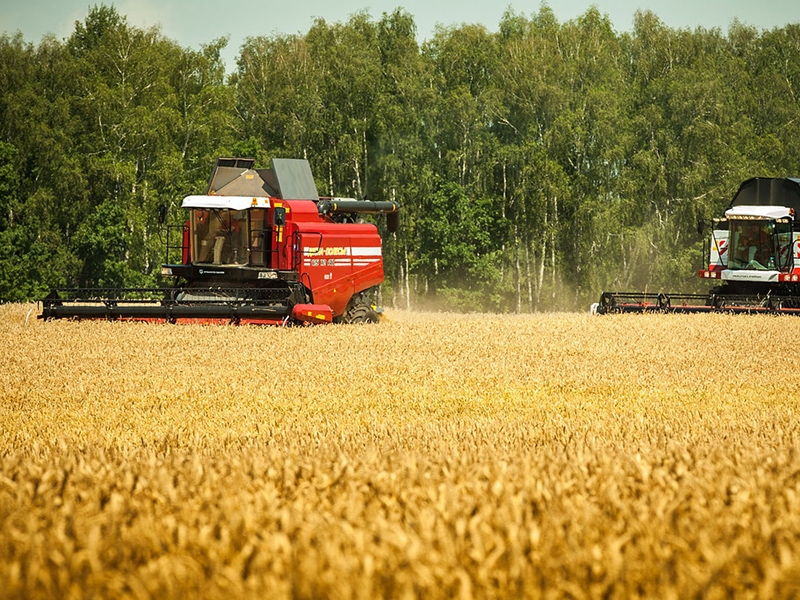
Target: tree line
536	165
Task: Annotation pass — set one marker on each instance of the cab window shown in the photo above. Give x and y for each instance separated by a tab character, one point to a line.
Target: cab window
751	245
219	236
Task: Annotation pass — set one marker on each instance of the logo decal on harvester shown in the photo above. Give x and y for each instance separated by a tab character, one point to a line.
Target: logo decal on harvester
356	256
331	251
211	272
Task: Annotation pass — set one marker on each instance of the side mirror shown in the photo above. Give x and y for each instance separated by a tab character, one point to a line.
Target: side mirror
701	227
279	217
162	213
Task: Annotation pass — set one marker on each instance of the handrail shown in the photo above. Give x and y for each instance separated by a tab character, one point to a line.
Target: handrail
169	246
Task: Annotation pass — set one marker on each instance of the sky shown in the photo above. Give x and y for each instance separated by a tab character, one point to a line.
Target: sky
195	22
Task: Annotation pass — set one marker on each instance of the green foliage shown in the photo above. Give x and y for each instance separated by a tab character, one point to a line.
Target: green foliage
103	242
457	246
8	184
95	133
93	33
535	166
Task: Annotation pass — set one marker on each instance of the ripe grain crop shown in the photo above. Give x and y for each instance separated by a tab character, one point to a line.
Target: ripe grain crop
432	456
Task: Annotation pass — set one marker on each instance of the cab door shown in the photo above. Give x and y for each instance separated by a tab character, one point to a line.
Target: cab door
260	238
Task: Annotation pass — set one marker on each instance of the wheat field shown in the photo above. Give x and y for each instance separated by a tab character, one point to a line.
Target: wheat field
431	456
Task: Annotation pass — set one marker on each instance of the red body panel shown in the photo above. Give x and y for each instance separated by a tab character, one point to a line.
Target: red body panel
333	260
312	313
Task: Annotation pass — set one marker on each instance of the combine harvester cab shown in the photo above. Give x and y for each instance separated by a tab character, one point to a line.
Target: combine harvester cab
260	246
753	256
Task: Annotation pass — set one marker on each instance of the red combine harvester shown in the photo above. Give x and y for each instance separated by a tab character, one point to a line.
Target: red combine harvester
754	254
259	247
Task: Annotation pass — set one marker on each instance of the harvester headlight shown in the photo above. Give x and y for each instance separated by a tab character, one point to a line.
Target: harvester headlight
166	271
795	278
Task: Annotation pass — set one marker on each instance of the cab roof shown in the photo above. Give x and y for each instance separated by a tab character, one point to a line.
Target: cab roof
755	212
229	202
769	191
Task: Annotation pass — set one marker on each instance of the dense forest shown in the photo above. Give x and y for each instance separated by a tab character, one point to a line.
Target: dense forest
535	165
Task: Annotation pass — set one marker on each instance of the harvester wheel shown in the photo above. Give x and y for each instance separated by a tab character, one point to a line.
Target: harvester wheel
360	313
